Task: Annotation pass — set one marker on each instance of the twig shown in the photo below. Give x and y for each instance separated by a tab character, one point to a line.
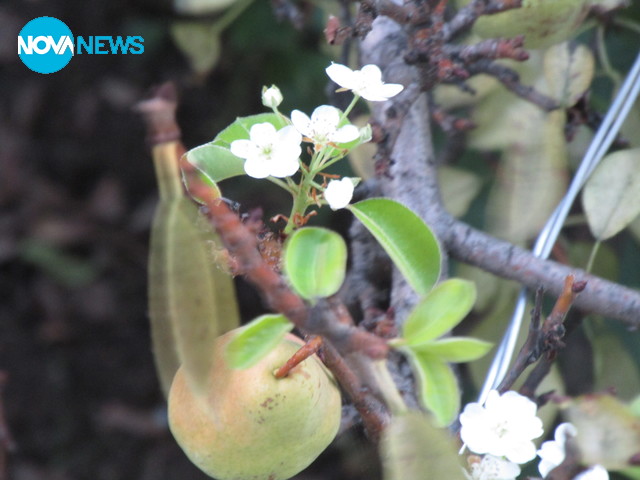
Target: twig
467	15
543	338
511	80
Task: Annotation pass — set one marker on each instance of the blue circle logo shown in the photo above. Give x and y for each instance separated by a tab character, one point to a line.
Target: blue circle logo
45	45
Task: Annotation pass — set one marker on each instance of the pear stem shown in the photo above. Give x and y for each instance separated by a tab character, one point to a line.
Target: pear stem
309	348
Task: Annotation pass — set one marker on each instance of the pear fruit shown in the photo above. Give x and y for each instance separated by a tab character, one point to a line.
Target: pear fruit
542	22
249	425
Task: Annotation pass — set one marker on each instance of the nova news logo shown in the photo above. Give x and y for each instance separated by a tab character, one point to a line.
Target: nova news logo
46	45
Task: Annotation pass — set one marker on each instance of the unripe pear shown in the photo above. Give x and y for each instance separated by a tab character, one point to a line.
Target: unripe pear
542	22
252	426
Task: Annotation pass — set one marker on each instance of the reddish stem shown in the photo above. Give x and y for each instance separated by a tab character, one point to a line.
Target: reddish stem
308	349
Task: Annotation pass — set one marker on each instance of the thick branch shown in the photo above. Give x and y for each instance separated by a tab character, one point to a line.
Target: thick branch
411	177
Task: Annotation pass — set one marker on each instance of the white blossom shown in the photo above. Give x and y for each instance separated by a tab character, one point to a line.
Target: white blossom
552	454
269	152
491	468
366	82
505	426
338	193
322	127
271	97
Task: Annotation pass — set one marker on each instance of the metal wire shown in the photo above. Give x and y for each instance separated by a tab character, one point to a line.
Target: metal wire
600	144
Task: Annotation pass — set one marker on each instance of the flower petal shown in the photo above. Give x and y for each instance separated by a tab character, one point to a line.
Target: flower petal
241	148
302	123
342	75
262	133
284	167
346	134
256	167
338	193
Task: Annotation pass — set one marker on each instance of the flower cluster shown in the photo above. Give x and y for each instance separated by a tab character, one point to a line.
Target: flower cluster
274	152
503	429
505	426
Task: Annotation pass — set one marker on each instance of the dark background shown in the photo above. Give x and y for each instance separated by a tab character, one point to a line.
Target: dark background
77	194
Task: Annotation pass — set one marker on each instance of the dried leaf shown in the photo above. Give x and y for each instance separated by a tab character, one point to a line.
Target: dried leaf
568	70
191	301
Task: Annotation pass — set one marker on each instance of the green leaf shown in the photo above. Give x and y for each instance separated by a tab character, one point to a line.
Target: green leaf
239	129
441	310
412	448
455	349
215	163
611	197
406	239
191	300
315	261
437	386
256	339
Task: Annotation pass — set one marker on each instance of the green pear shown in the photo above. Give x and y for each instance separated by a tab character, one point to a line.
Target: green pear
252	426
542	22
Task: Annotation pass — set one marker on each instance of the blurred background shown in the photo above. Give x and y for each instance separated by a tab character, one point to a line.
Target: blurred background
77	194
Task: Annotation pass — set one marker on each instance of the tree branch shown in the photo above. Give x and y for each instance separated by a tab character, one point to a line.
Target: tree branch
411	178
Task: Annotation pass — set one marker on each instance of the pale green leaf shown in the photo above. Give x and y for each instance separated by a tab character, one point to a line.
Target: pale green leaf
458	188
191	300
437	386
199	41
406	239
568	70
532	175
256	339
411	448
315	261
611	197
441	310
455	349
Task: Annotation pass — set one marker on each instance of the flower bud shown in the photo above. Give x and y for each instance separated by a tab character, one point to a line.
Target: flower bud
271	97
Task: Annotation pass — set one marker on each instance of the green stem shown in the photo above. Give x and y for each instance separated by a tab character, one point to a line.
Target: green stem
628	24
231	14
300	202
592	257
283	185
388	388
604	59
350	107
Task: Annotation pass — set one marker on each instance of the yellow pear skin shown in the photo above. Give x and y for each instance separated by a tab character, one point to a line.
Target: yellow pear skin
252	426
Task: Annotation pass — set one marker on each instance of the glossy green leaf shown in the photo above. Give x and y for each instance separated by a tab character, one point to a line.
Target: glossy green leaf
611	196
411	448
608	431
437	386
315	261
406	239
240	128
256	339
191	300
441	310
455	349
216	163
